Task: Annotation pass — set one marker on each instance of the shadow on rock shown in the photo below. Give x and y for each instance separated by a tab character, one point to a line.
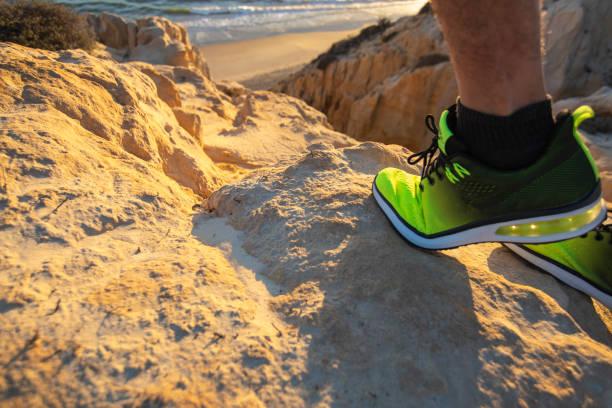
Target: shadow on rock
387	324
384	323
397	326
578	305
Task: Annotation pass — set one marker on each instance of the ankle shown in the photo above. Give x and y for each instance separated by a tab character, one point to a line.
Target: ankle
506	142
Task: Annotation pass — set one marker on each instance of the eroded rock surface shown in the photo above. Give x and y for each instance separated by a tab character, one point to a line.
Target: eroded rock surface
155	40
224	115
393	325
382	86
577	54
106	293
119	285
106	102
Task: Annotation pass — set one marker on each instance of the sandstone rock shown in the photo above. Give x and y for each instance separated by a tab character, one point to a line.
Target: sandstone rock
371	89
111	29
166	89
278	125
600	101
101	280
159	41
399	100
122	106
398	326
578	55
186	75
290	289
380	86
150	29
191	122
249	129
155	40
231	88
111	103
102	51
105	290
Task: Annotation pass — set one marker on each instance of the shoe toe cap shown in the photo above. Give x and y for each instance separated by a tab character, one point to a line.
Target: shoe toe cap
401	192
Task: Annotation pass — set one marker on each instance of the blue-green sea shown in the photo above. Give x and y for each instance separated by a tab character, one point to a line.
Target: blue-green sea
224	20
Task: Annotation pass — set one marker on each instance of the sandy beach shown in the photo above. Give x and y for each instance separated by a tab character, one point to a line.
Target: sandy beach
261	62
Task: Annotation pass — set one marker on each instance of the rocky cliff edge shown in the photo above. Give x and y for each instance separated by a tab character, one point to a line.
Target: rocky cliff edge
169	241
380	84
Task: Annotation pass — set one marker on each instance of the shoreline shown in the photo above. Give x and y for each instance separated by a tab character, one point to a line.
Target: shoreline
260	62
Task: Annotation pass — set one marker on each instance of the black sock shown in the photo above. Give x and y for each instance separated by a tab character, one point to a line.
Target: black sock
507	142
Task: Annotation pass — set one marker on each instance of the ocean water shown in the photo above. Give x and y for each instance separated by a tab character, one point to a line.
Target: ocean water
218	21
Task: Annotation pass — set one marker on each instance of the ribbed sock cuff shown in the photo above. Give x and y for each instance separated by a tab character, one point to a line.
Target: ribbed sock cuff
507	142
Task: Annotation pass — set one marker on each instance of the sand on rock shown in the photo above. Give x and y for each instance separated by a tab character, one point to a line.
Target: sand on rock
169	241
106	101
394	325
110	292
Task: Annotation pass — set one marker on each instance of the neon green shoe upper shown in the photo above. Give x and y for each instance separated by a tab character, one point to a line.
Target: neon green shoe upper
455	192
589	256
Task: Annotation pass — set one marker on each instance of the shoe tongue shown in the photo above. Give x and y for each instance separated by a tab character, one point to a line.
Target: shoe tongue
448	141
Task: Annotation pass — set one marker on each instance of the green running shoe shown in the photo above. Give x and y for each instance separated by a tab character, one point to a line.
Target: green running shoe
458	201
584	263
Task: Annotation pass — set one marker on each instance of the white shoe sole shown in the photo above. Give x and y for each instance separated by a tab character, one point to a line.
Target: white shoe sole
488	233
562	274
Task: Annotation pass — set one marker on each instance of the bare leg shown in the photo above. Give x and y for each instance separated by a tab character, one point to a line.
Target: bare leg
495	51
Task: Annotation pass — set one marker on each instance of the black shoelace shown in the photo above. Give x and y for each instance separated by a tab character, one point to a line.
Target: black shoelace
600	229
431	162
